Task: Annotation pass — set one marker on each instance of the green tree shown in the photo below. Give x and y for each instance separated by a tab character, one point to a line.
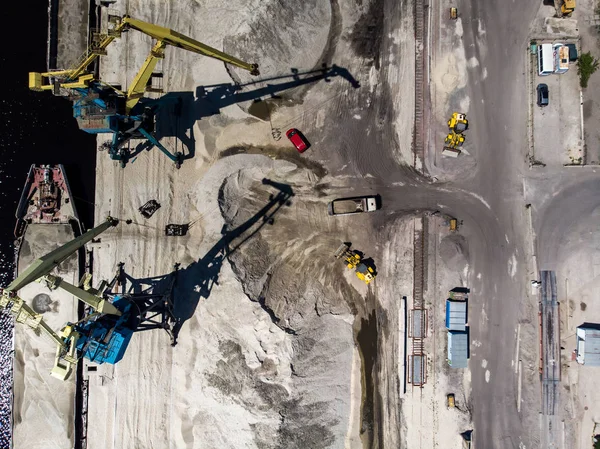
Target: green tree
586	65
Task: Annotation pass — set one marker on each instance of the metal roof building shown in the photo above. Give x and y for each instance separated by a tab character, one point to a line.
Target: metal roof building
456	315
458	349
588	344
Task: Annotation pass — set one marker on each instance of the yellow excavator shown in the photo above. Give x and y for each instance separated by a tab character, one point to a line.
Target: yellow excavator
354	261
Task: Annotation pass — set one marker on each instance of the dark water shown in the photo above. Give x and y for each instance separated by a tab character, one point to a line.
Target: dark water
34	128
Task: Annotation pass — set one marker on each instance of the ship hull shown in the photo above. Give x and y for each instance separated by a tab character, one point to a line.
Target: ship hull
43	407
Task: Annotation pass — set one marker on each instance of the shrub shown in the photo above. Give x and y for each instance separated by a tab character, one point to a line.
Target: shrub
586	65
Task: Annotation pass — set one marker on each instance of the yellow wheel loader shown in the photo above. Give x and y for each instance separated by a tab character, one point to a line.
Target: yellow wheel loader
354	261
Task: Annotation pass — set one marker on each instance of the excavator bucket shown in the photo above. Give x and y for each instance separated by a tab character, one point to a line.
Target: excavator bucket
341	251
451	152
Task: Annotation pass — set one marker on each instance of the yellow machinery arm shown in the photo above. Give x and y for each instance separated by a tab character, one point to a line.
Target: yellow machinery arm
79	78
187	43
40	268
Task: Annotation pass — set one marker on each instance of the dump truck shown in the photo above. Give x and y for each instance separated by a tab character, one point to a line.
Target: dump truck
347	206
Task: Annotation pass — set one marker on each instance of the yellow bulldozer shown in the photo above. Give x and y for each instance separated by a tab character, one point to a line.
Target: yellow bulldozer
354	261
454	140
458	123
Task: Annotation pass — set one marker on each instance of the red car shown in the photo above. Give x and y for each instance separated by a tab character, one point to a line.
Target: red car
298	140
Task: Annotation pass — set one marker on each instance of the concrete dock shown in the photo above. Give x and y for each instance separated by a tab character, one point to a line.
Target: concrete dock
67	32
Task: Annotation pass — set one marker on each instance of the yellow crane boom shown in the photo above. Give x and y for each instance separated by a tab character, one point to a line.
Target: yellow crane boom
78	77
40	268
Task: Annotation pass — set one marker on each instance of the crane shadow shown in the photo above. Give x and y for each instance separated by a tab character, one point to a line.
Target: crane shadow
181	290
125	284
178	112
198	279
185	286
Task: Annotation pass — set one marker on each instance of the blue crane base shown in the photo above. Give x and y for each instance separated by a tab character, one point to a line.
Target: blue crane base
105	340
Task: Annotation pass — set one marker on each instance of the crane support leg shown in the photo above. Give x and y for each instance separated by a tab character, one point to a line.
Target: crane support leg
139	83
98	304
177	158
26	315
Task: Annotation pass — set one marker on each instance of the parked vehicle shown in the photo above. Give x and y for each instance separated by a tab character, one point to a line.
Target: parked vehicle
298	139
572	52
450	403
561	58
356	205
545	59
543	98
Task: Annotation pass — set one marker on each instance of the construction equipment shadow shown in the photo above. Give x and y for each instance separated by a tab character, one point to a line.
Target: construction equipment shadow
175	296
368	261
198	279
152	297
178	112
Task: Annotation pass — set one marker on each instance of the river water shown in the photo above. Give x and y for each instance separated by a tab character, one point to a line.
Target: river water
35	128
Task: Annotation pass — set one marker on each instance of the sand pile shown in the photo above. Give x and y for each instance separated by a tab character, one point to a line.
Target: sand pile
297	385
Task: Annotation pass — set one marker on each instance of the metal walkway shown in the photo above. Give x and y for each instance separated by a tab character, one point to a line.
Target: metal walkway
417	329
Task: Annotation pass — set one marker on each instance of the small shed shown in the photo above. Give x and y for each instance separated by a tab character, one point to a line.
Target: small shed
458	349
588	344
456	315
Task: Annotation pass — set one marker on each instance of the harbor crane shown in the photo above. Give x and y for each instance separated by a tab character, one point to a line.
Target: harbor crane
105	331
100	107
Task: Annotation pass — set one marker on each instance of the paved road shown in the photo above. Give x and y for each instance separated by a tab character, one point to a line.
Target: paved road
491	202
499	118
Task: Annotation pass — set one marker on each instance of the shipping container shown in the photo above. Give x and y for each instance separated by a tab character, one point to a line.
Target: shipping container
456	315
458	349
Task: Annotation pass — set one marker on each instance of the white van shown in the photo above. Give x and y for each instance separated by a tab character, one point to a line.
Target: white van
545	59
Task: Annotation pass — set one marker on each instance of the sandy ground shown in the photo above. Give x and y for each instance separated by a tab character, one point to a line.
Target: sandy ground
450	74
393	283
577	280
278	340
249	374
43	410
